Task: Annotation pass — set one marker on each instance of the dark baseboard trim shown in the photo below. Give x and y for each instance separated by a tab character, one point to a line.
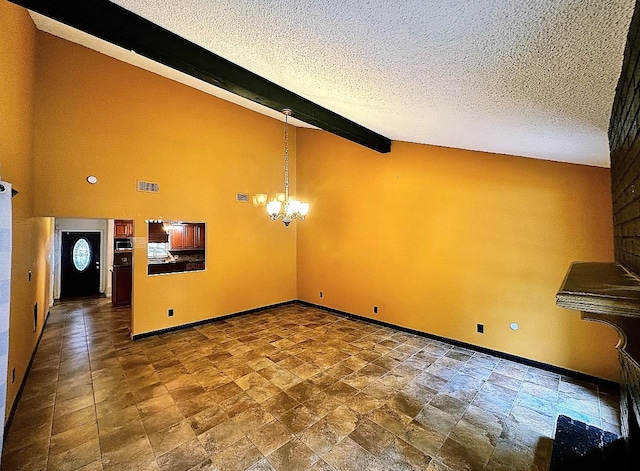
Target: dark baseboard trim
507	356
210	320
12	411
605	383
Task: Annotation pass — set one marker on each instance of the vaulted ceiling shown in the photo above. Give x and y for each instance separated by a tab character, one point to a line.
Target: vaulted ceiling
533	78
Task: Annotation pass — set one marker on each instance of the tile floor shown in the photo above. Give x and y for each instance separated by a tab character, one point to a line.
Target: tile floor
290	388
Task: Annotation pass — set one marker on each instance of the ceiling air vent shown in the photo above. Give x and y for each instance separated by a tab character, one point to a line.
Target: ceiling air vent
148	187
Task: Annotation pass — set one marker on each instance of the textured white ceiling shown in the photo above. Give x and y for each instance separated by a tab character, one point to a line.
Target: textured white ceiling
533	78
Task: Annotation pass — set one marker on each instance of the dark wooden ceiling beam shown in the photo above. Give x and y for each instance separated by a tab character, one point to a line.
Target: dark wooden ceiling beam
114	24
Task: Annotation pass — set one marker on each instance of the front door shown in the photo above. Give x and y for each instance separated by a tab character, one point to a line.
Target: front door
80	264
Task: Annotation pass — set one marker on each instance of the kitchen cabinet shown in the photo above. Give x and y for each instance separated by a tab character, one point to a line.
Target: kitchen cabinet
199	236
121	287
194	266
187	237
122	228
190	236
176	237
160	268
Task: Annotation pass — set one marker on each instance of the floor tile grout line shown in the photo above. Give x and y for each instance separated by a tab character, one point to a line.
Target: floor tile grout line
93	392
375	335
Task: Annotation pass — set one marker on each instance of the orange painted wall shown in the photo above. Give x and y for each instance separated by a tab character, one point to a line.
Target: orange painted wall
442	239
97	116
439	239
31	239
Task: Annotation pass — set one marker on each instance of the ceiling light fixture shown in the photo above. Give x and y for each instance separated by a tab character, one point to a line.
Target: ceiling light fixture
281	206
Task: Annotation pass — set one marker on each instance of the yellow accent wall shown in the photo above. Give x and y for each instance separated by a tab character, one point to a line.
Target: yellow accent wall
97	116
442	239
32	236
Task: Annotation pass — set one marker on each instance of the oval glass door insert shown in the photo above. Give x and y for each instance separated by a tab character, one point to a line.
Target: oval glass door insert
81	254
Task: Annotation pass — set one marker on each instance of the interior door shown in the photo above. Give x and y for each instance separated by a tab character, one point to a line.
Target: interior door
80	264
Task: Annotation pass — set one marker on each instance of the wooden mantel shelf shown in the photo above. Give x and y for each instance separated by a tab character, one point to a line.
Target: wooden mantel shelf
609	293
603	288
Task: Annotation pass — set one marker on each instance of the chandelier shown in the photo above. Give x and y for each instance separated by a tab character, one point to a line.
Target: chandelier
281	206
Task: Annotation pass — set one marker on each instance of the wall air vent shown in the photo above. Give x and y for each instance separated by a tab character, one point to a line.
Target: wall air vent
148	187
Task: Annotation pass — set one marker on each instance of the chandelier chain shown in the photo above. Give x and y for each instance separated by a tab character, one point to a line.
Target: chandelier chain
286	209
286	156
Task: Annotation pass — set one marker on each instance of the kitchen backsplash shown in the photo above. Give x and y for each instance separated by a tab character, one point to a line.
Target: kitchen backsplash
158	249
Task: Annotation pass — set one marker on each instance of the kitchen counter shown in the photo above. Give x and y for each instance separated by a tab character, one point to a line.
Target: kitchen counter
162	266
162	261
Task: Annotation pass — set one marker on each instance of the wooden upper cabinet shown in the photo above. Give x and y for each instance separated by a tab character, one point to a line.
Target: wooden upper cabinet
122	228
200	236
188	236
176	237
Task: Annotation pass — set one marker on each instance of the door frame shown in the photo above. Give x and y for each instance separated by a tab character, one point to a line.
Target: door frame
58	259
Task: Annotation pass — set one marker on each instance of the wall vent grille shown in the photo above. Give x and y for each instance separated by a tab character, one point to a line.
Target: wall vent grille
148	187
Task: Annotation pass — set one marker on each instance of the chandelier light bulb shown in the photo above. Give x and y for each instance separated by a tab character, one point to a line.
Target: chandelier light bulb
273	208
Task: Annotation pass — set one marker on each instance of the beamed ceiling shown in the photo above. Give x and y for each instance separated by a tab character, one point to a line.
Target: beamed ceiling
533	78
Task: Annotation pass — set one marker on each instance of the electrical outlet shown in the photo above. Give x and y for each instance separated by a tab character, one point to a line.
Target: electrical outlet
480	328
170	312
321	294
375	309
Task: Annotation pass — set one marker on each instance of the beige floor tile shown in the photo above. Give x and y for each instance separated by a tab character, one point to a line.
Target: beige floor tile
425	439
121	437
29	418
298	419
348	455
27	458
391	420
320	437
167	439
293	456
206	419
73	437
74	419
279	404
288	388
270	437
114	403
321	404
118	419
135	455
36	437
76	457
220	437
239	457
371	436
401	455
